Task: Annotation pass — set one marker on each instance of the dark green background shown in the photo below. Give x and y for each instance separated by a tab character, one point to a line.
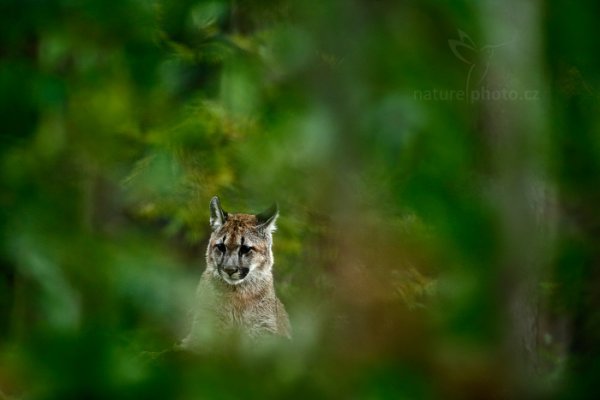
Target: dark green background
429	245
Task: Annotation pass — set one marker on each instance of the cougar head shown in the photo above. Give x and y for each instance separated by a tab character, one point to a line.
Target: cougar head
240	244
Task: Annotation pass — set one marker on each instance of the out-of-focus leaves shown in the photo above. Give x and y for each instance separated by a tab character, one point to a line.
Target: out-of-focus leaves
419	250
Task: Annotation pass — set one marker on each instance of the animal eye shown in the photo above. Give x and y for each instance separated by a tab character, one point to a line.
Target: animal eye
245	249
221	247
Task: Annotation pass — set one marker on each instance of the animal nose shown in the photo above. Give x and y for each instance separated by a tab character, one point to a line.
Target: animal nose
230	270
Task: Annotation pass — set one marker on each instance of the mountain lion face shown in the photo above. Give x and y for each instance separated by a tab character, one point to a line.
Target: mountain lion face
240	244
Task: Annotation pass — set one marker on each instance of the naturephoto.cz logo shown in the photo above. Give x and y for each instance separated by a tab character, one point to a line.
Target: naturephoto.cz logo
479	59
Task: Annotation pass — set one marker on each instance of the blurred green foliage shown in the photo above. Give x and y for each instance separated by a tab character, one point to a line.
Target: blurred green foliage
430	245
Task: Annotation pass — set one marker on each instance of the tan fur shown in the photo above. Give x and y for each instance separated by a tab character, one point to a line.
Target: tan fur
248	306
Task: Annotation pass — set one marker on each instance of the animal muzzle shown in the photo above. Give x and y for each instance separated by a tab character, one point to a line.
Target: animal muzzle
235	272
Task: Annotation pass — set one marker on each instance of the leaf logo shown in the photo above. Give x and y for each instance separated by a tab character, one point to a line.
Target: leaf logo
479	58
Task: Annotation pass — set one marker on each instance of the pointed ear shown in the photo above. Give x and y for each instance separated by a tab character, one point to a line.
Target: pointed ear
217	215
266	219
